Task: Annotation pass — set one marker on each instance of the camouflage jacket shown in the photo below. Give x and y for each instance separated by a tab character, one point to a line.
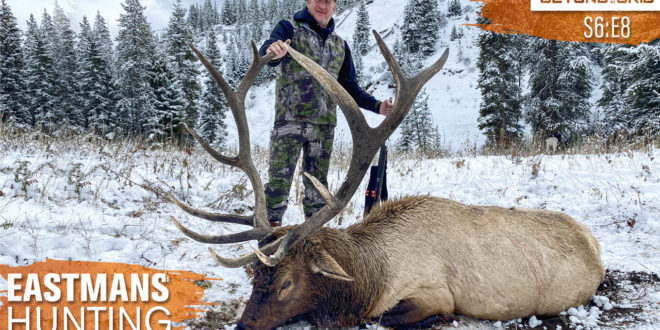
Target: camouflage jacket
299	98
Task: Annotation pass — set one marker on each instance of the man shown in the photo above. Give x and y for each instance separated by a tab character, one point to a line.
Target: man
305	115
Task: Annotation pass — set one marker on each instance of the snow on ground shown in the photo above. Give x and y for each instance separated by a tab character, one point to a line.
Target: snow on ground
83	200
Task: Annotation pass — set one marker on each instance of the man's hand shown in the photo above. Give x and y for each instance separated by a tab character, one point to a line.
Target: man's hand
278	48
385	107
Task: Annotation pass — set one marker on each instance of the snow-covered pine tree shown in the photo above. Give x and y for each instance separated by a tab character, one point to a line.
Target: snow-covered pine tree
288	8
239	56
12	82
256	20
576	87
94	77
40	74
410	31
559	88
194	18
362	31
228	13
454	8
421	29
643	92
169	101
242	13
66	67
86	74
271	12
417	130
616	79
500	111
429	26
203	17
213	106
183	63
135	46
105	116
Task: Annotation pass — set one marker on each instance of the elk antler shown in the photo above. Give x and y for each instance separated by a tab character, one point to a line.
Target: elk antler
370	141
259	221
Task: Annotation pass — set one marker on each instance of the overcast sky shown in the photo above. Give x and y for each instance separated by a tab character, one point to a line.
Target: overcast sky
157	11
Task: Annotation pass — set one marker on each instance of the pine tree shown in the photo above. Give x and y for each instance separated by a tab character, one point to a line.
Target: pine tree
616	79
194	18
559	88
94	77
40	74
500	111
86	75
168	100
454	8
66	66
228	13
11	70
643	92
256	20
361	33
213	107
105	118
421	27
135	45
209	15
417	130
242	14
182	63
272	10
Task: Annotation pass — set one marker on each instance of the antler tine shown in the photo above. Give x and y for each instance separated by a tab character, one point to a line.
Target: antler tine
216	217
243	236
251	75
407	88
246	259
389	58
231	161
232	100
236	101
421	78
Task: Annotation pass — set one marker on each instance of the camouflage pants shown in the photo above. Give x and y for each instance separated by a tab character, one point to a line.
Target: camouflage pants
286	142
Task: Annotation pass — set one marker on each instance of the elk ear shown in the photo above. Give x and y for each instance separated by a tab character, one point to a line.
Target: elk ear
325	264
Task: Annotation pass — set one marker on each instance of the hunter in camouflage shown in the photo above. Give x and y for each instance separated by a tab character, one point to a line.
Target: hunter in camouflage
305	116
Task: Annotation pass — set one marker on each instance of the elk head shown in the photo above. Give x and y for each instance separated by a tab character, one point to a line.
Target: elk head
283	286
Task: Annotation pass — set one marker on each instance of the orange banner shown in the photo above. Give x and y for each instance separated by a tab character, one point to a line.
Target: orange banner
97	295
516	16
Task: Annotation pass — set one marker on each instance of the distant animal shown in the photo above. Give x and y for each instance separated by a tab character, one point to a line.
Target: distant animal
409	259
551	144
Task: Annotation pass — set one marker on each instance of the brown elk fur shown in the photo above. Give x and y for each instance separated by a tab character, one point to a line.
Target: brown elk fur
420	256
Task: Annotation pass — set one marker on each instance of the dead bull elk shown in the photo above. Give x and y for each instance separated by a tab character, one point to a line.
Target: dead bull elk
408	260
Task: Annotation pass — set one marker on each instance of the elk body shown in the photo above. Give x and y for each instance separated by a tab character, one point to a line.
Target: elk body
421	256
409	259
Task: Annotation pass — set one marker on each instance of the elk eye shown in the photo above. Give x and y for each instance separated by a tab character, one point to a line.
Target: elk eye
286	285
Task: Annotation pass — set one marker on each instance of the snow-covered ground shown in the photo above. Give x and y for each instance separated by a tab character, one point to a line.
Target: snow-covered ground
85	200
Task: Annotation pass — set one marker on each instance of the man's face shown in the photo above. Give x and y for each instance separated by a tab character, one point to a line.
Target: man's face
322	10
